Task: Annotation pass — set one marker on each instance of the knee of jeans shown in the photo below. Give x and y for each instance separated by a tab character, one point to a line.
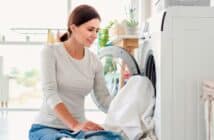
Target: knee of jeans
31	137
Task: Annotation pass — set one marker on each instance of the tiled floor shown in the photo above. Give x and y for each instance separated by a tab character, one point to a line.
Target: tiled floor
14	125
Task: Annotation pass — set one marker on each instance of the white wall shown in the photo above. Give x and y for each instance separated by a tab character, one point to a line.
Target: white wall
145	7
1	66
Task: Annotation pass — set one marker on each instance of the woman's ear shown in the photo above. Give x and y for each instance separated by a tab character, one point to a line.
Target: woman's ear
72	27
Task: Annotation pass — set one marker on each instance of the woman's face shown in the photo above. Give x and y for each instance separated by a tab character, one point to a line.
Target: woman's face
86	33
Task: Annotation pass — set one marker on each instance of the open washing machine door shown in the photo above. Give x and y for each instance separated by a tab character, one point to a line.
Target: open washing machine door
146	60
150	69
118	66
145	55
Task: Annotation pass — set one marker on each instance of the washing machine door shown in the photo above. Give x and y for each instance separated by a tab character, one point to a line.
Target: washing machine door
118	66
147	62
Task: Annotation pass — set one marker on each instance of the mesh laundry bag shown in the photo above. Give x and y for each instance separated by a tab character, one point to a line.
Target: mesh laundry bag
208	98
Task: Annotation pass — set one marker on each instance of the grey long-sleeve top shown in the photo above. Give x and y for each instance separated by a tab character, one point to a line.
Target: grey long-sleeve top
68	80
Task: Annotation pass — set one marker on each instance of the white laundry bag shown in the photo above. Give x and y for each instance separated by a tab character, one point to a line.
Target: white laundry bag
208	98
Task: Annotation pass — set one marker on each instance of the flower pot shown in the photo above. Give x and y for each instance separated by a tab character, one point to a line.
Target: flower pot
131	30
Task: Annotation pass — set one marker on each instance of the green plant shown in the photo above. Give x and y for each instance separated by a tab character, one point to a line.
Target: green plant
103	35
131	15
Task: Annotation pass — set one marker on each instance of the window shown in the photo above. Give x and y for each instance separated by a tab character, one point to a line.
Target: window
21	66
23	32
29	19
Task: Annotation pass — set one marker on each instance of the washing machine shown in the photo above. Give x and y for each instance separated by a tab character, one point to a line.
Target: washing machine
176	54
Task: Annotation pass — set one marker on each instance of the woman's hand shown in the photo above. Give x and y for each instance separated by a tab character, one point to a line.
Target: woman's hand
87	126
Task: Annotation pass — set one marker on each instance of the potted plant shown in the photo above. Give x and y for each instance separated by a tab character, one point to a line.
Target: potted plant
131	22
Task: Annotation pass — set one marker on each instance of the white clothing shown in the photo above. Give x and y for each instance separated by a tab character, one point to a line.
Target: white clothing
132	108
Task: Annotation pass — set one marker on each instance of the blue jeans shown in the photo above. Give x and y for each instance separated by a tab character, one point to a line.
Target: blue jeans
41	132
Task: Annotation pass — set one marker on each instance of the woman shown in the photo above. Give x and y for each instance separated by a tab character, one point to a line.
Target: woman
69	72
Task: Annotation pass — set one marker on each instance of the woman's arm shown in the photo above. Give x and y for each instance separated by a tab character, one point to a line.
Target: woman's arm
48	76
49	86
101	93
71	122
64	115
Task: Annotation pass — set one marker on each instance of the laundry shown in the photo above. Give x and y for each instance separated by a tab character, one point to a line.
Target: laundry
132	109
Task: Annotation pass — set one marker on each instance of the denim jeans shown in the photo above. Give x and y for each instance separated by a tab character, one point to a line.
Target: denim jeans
41	132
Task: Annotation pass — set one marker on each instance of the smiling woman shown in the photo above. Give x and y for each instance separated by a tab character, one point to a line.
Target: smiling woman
25	90
69	71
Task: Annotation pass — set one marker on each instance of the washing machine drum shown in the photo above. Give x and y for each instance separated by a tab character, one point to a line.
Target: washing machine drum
115	60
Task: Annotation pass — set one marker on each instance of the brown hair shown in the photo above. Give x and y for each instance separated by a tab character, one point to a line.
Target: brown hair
80	15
